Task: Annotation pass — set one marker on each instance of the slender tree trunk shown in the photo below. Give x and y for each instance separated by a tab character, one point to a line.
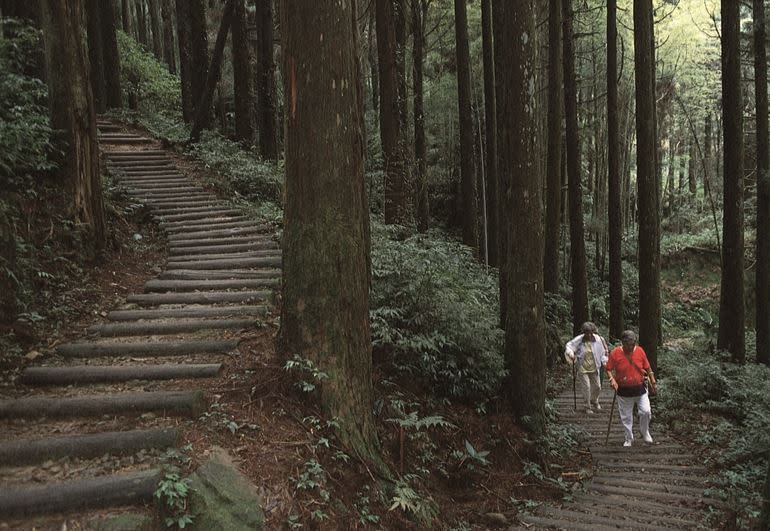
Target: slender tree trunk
203	109
553	165
244	128
707	135
647	187
731	308
141	23
500	54
372	59
157	40
490	122
199	57
266	119
399	19
419	9
525	326
125	15
763	196
185	58
765	522
96	55
692	177
577	245
169	57
392	130
467	168
72	111
113	95
325	316
615	201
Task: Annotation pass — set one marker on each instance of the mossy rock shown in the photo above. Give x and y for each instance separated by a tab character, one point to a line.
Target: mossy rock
222	499
123	522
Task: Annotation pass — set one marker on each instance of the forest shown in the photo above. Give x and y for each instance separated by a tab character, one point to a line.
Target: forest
314	264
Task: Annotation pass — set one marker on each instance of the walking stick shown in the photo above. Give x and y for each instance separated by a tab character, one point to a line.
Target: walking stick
609	424
574	376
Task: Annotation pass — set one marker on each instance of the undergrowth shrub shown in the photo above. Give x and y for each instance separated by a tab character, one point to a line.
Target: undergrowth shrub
146	78
434	309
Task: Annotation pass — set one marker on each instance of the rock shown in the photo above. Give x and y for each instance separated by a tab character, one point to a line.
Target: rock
497	519
122	522
222	499
32	355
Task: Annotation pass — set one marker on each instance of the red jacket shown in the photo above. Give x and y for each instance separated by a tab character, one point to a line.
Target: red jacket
629	370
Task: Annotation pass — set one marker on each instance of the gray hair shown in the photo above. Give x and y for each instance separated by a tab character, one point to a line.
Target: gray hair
628	335
589	328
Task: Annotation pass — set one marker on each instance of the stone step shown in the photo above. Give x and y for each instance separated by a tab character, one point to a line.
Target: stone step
86	374
219	274
190	311
176	327
93	493
167	348
23	452
232	263
231	240
200	215
663	497
140	161
253	245
636	504
640	466
651	484
208	297
104	139
187	403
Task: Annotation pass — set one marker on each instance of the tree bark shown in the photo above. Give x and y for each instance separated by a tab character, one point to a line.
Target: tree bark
157	40
113	96
467	166
203	109
372	59
707	147
72	111
692	177
647	187
96	55
244	128
490	123
199	57
141	23
185	58
8	304
765	522
266	119
169	57
615	204
325	315
399	19
125	15
731	308
553	164
577	244
392	129
419	11
763	194
514	28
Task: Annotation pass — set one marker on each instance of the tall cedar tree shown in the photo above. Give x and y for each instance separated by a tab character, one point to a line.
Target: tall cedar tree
203	109
763	187
499	57
399	19
157	38
393	134
490	130
325	274
514	28
125	16
72	111
731	309
266	114
575	190
614	194
647	186
185	58
467	162
199	56
553	163
371	50
96	55
765	522
419	12
111	58
244	126
141	22
169	57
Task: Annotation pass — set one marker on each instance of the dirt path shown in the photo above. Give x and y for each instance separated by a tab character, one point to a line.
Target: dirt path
647	487
112	402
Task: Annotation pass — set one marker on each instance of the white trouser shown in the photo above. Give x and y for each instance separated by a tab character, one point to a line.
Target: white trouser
626	412
591	387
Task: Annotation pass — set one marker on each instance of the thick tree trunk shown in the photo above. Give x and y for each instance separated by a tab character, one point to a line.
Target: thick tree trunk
199	57
141	23
525	327
113	96
203	109
419	10
372	59
244	126
765	522
157	40
615	204
392	129
553	164
169	57
96	55
731	308
647	187
185	58
125	15
577	245
72	111
467	166
8	304
266	119
325	316
763	195
399	19
490	123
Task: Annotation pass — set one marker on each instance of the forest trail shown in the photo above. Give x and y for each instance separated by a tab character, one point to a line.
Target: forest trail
87	429
646	487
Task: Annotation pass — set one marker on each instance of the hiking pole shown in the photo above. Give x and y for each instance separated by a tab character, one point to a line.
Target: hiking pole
574	376
609	424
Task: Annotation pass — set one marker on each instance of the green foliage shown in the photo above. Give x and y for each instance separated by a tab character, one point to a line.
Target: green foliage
305	367
434	309
407	499
172	493
146	78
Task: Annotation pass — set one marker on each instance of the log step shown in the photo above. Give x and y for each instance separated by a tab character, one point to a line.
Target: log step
207	222
202	242
216	232
94	493
209	297
177	327
544	522
189	403
600	521
139	161
201	215
233	263
121	154
218	249
182	209
123	140
259	253
85	374
237	221
203	311
170	348
187	274
32	451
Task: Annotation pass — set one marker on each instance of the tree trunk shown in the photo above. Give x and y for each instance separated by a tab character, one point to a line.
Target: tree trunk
647	187
72	111
203	109
169	57
467	168
141	23
392	130
490	122
266	119
763	196
372	59
615	201
157	40
185	58
707	134
731	309
419	10
199	57
577	245
8	304
692	169
244	128
325	316
96	55
399	19
125	15
525	327
553	164
765	522
113	95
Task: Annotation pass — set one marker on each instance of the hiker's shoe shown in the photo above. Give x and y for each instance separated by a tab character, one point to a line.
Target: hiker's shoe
627	443
647	437
597	407
589	411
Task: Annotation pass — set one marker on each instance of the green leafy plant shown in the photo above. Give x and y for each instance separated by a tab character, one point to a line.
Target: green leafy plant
407	499
305	367
172	493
